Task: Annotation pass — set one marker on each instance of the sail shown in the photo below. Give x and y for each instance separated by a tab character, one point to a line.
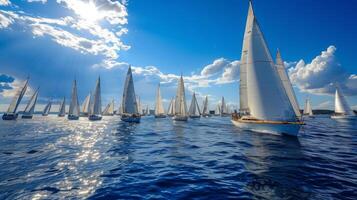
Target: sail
266	97
74	105
218	110
307	108
30	108
159	108
287	84
62	108
109	109
47	108
194	109
17	99
129	102
205	106
171	109
341	105
86	104
180	101
223	108
140	110
96	104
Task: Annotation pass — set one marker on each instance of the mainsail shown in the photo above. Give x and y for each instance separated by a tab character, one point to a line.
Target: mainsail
265	97
223	108
47	108
159	108
109	109
17	99
287	84
129	104
307	108
218	110
180	101
171	109
62	108
341	105
205	107
96	105
30	108
194	109
86	104
74	105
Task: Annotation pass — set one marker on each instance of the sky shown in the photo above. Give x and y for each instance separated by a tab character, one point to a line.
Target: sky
56	41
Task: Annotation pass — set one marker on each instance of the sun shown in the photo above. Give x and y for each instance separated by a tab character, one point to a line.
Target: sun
88	11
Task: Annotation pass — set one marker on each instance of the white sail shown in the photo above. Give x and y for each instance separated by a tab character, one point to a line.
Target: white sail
205	107
218	109
171	109
129	103
30	108
109	109
86	104
96	104
47	108
180	101
223	108
62	108
74	105
266	97
194	109
140	109
17	99
287	84
341	105
159	108
307	108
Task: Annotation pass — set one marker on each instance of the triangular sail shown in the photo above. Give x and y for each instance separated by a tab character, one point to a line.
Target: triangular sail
341	105
205	106
171	109
74	105
194	109
180	101
223	108
17	99
129	103
109	109
96	106
159	108
30	108
308	108
86	104
218	109
62	108
47	108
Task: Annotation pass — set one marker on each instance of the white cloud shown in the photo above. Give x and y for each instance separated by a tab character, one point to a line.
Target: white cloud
5	21
41	1
4	2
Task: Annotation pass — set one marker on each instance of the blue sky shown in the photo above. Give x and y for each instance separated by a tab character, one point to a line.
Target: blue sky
55	41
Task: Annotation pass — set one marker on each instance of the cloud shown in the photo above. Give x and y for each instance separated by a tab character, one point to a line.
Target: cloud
41	1
5	21
6	78
9	85
4	2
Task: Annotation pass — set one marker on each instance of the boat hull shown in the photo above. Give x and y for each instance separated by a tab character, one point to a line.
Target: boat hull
9	116
160	116
132	118
180	118
291	129
73	117
206	115
26	116
95	117
61	115
195	116
349	117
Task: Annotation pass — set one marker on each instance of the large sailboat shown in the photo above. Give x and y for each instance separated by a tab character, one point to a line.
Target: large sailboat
109	109
194	110
342	109
30	108
47	108
205	111
11	113
264	102
308	109
86	105
73	113
159	108
171	108
95	111
180	102
62	108
129	104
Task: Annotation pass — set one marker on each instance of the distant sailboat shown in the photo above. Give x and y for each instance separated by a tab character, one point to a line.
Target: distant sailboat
95	111
194	110
264	102
223	108
171	108
62	108
129	104
308	109
180	102
205	111
47	108
109	109
342	109
86	105
159	108
140	109
147	111
30	108
73	113
217	111
120	110
11	113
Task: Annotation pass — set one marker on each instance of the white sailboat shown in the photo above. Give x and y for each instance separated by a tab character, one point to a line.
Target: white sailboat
194	110
30	108
205	111
47	108
11	113
171	108
73	113
129	104
308	108
109	109
217	111
342	109
120	110
223	108
62	108
264	103
140	109
159	108
95	111
180	102
86	105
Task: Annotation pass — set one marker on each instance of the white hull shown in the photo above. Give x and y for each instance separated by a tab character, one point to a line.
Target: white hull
343	117
286	129
180	118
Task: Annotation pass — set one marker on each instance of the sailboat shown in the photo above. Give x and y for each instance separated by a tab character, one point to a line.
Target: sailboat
223	108
171	108
129	104
120	110
73	113
140	109
194	110
159	108
147	112
180	102
11	111
217	111
30	108
86	105
62	108
308	109
264	102
47	108
95	111
342	109
109	109
205	111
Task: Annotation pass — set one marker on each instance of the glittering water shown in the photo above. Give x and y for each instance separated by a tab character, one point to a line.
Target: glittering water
52	158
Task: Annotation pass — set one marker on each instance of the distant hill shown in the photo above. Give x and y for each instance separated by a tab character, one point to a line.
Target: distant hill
323	112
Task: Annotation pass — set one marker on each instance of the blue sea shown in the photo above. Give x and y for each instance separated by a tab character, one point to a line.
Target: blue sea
207	158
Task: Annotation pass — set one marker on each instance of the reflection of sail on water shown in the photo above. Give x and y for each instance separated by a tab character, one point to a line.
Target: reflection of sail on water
17	99
30	108
341	105
74	105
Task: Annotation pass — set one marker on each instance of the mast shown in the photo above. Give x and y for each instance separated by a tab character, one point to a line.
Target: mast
180	101
341	105
159	108
30	108
129	103
17	99
96	107
74	105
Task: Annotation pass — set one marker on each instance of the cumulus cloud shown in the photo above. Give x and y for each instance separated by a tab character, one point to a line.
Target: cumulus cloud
41	1
4	2
5	21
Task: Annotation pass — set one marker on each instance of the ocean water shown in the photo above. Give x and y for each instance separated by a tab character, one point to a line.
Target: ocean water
209	158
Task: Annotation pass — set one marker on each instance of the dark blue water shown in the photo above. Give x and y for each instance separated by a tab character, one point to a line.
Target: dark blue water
51	158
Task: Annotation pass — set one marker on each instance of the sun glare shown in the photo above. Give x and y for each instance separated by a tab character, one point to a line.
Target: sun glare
89	12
